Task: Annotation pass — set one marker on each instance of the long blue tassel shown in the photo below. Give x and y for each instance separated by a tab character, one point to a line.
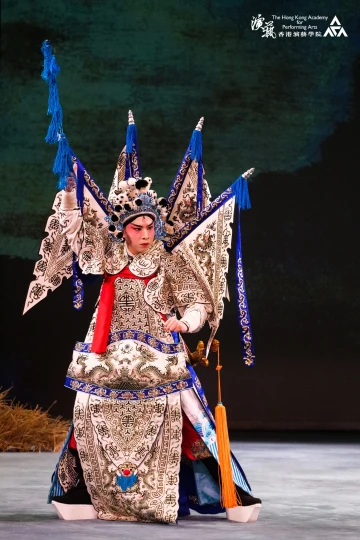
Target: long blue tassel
52	135
53	102
196	145
131	138
241	190
46	49
243	309
132	167
49	74
63	162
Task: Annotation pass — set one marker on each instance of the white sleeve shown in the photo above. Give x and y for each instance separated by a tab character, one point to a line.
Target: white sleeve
71	220
194	317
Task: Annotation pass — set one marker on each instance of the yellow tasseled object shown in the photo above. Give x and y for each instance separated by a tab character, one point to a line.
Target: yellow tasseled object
229	496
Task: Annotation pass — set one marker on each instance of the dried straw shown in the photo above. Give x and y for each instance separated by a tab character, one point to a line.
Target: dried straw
29	430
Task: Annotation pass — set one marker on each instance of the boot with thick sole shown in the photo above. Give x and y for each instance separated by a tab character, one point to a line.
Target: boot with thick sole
250	507
76	503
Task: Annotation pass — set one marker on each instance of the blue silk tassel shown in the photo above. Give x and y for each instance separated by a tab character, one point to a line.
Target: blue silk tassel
49	74
241	190
131	138
132	169
196	153
63	163
196	145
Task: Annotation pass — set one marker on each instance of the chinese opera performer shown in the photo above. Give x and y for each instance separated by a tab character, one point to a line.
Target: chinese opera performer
143	444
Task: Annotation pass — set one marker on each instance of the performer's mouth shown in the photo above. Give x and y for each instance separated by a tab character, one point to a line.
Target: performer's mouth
144	245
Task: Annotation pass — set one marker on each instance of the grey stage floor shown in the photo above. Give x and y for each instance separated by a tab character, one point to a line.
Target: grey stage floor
309	491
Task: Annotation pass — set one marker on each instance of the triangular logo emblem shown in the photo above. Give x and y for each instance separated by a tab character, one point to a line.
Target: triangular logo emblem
335	21
335	29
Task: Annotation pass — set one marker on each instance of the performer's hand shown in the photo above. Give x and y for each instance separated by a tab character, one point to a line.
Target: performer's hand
71	183
173	325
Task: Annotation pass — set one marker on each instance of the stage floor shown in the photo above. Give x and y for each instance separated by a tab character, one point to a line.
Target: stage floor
309	491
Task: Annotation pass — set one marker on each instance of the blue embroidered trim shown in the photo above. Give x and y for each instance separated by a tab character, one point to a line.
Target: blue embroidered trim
199	195
94	188
200	391
242	304
137	335
78	286
179	179
80	184
127	395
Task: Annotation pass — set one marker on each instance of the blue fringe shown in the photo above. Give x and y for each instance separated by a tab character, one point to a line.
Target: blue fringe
241	190
196	145
51	69
63	162
131	138
49	74
52	135
46	49
53	102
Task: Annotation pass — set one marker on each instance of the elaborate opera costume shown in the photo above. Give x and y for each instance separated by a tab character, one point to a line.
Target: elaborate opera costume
143	442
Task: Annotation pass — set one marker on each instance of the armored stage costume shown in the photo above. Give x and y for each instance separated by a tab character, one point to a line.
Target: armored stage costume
143	442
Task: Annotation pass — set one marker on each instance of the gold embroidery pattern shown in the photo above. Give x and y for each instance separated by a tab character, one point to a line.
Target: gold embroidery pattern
178	181
55	263
183	195
126	365
67	474
138	435
184	231
206	252
95	189
199	450
175	285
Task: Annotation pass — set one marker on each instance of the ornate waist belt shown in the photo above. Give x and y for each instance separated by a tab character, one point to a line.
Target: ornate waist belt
137	335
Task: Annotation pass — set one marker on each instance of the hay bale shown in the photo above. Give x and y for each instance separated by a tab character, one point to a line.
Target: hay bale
29	430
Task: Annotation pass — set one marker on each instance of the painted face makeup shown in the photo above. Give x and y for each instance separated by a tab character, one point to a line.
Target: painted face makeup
139	234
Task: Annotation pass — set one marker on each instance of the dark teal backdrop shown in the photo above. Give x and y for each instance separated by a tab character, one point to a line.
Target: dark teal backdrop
287	106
